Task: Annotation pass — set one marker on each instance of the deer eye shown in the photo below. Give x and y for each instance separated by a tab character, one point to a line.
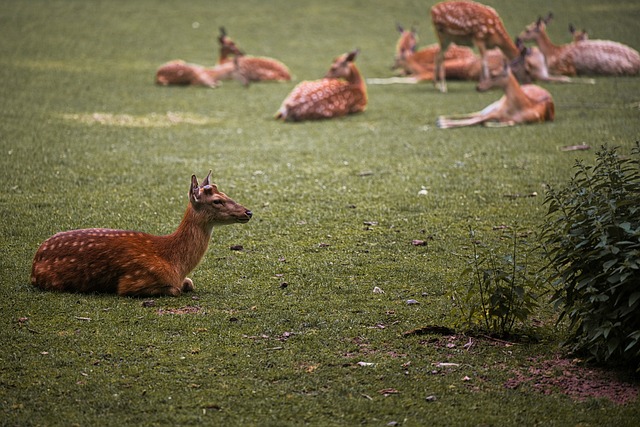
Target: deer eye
217	201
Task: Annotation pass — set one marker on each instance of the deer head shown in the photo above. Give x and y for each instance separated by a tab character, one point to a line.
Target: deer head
341	67
218	208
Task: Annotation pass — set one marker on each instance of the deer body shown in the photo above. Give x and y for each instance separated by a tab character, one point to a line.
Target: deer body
468	23
583	57
461	63
520	104
251	68
131	262
179	72
342	91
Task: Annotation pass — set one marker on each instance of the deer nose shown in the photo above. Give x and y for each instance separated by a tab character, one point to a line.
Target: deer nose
248	213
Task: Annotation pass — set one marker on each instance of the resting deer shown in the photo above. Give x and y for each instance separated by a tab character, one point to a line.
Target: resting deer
135	263
250	68
578	35
520	104
586	57
421	63
469	23
461	63
179	72
342	91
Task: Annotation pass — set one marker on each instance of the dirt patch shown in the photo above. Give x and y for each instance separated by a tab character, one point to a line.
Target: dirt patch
576	380
152	120
182	310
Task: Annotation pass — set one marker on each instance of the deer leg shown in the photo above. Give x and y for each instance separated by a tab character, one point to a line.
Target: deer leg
440	71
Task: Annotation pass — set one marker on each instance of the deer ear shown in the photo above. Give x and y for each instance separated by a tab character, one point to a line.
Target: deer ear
207	180
399	28
194	190
352	55
548	18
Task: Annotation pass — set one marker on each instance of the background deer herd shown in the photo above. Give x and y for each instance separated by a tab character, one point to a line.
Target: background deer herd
459	25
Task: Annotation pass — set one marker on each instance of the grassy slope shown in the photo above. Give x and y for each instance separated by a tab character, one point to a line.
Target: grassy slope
258	353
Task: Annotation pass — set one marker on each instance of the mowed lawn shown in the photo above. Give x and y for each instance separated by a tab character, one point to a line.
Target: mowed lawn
288	330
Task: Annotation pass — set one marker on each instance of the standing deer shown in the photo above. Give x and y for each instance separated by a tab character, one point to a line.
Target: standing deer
519	104
250	68
586	57
469	23
131	262
342	91
179	72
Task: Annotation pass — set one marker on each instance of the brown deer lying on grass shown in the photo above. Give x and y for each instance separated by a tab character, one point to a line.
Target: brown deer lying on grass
342	91
520	104
468	23
585	57
135	263
250	68
179	72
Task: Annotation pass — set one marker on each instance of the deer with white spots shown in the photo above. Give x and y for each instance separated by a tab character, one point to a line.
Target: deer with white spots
468	23
584	57
182	73
461	63
133	263
342	91
520	104
250	68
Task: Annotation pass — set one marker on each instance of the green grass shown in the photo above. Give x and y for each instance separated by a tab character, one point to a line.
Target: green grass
258	352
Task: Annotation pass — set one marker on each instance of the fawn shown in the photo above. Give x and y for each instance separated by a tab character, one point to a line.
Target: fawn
249	68
342	91
583	57
520	104
131	262
469	23
179	72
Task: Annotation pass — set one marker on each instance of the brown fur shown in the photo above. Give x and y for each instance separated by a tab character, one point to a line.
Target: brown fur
520	104
131	262
251	68
468	23
341	92
585	57
179	72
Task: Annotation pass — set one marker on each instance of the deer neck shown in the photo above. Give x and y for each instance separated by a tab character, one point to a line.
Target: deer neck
514	93
188	244
355	79
547	47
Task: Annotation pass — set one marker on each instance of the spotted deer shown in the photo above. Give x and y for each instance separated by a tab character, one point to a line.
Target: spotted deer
179	72
342	91
250	68
468	23
585	57
133	263
462	64
519	104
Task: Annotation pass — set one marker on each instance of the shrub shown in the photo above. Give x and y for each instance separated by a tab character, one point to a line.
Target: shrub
503	290
592	241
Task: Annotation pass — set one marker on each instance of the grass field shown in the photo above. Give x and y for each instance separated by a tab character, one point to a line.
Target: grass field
274	334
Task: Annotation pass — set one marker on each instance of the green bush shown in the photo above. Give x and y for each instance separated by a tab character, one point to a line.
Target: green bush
503	290
592	241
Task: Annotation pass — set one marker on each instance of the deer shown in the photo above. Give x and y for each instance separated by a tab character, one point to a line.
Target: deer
134	263
461	63
250	68
528	103
342	91
468	23
578	35
421	63
585	57
178	72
